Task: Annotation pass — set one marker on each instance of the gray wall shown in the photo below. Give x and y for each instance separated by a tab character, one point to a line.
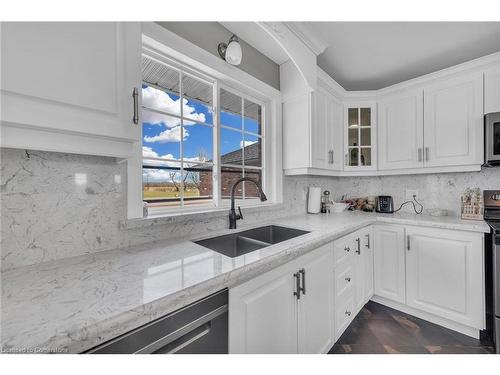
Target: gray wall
208	35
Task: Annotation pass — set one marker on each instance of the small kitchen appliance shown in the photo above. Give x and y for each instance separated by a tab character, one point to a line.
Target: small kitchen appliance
492	139
385	204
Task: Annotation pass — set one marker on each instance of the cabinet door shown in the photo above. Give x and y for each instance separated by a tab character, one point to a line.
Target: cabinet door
319	141
453	122
492	90
359	266
401	132
367	242
263	313
389	262
71	77
334	134
444	274
359	128
316	314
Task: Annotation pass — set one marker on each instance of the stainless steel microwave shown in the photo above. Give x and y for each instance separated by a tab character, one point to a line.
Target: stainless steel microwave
492	139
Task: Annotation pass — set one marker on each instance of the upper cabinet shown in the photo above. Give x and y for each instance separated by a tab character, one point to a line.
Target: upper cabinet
437	126
74	80
492	90
453	121
400	130
312	126
359	136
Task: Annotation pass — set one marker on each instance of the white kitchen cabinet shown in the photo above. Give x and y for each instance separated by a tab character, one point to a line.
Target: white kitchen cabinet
267	317
453	121
389	262
64	80
492	90
444	274
400	130
315	308
367	248
353	276
312	125
360	136
263	313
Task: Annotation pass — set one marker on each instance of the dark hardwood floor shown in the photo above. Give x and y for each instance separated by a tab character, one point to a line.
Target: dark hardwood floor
380	330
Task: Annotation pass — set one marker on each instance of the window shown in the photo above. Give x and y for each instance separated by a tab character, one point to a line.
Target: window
359	137
193	152
240	145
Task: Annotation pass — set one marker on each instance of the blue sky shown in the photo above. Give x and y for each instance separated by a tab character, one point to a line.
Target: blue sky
161	134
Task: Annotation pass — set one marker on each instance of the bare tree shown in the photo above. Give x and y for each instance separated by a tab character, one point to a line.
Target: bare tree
176	183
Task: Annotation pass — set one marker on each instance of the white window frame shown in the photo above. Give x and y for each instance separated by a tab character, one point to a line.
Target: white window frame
265	186
267	165
186	71
162	42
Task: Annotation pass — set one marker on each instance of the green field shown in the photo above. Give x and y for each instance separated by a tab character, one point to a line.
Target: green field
169	194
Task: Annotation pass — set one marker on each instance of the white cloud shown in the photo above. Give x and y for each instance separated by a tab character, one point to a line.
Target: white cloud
246	143
168	135
157	99
148	152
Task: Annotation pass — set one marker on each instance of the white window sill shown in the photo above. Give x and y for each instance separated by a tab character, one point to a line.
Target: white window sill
179	216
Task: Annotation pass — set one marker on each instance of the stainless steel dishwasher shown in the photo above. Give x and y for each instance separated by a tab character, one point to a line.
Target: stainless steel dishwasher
199	328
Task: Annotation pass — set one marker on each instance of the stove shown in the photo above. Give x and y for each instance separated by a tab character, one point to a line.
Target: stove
492	266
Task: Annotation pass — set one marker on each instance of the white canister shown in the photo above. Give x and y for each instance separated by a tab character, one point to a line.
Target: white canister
314	200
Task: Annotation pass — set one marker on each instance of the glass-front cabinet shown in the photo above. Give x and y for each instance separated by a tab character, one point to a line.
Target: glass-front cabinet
360	136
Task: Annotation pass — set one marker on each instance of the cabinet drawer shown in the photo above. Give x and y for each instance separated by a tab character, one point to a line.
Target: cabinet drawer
343	248
344	314
344	279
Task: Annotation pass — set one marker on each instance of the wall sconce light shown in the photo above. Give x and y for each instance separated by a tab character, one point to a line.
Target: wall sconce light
231	52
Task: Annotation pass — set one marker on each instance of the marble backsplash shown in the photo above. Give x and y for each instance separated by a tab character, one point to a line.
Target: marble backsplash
57	205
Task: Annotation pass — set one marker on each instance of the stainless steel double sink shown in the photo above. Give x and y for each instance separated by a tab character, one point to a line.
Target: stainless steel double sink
236	244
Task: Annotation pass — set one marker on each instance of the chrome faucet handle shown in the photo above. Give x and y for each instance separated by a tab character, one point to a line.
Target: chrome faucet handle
240	216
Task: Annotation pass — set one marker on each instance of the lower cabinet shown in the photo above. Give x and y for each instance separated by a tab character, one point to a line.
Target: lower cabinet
305	306
389	262
353	256
444	274
287	310
436	274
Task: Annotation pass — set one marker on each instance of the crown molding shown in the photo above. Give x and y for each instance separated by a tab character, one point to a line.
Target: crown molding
310	39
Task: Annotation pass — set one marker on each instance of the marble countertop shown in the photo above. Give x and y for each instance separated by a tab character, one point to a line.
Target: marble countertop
73	304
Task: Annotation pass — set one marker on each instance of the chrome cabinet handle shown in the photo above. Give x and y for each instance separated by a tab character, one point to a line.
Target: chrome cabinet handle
348	313
297	285
367	240
427	154
135	95
408	242
419	154
347	248
348	279
302	271
359	246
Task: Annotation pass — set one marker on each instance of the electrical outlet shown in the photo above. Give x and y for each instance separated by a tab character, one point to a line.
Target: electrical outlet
410	193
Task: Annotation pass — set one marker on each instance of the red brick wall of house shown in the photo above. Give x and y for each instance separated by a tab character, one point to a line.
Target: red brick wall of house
228	178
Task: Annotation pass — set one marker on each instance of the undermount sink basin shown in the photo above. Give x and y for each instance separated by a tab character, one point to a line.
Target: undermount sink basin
236	244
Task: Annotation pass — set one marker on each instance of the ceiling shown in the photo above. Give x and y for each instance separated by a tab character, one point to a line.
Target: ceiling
372	55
